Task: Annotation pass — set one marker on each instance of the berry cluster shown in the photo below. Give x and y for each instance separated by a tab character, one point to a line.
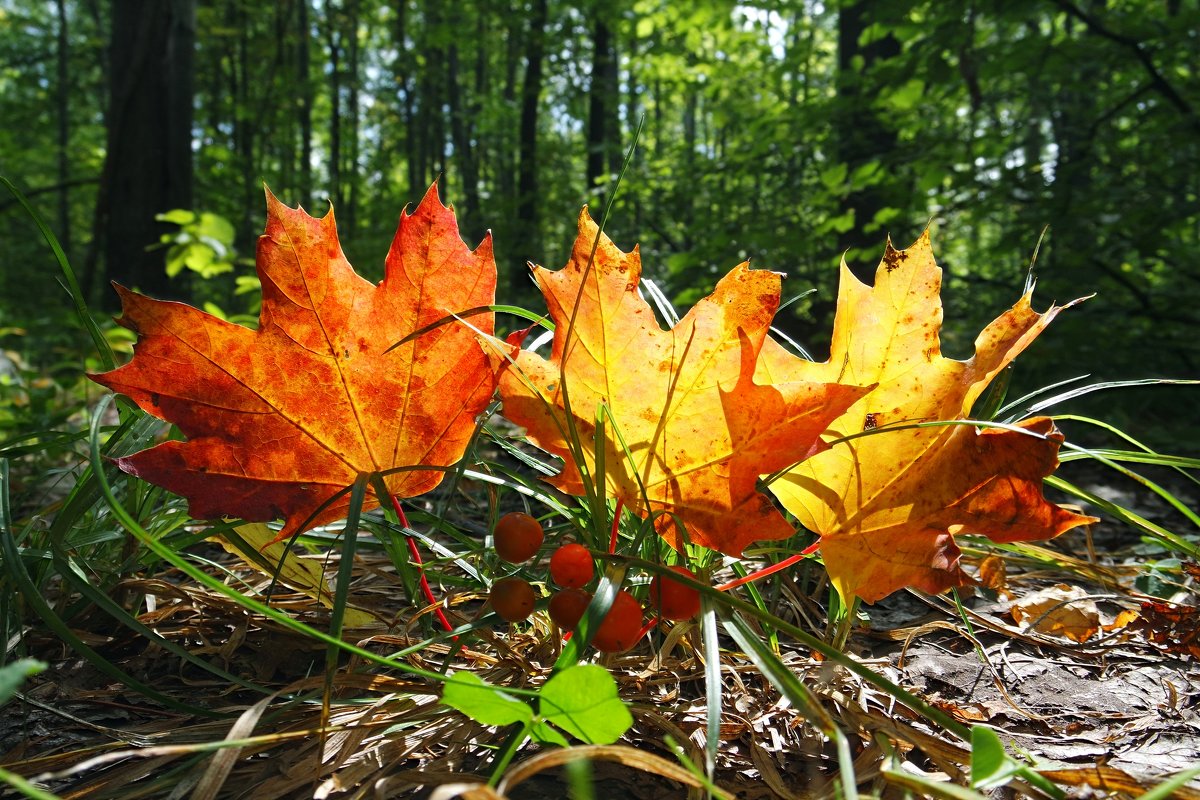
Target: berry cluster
518	537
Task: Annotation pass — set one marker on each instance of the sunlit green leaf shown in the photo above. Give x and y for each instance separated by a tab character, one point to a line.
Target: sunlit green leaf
583	701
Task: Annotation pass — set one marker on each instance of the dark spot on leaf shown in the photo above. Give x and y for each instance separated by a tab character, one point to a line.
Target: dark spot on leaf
870	423
892	259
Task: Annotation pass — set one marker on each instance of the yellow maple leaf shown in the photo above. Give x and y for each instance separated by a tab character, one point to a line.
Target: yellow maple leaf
692	403
887	505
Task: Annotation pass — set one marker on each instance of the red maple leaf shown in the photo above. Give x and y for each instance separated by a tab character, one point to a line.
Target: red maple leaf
281	419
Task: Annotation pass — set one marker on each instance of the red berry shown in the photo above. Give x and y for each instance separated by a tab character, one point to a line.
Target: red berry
567	607
512	598
619	630
672	599
518	537
571	566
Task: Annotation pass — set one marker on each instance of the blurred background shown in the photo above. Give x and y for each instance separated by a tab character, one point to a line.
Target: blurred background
786	132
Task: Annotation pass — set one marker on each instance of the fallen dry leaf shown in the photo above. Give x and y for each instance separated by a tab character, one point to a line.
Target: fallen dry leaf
1059	610
281	419
695	406
1173	626
887	506
993	575
280	562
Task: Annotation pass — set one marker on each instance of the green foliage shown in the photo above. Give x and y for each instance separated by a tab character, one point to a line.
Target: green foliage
581	700
992	767
203	243
14	674
993	122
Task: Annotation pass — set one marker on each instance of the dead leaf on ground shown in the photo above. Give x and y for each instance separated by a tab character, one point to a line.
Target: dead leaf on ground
1059	610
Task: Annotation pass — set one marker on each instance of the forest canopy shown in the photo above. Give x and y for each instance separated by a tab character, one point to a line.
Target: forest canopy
791	133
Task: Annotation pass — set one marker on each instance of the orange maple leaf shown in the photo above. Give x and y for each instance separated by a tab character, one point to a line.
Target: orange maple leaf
690	404
887	505
281	419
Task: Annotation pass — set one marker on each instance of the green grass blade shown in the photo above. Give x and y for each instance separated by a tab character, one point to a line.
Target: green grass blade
791	687
810	641
25	787
103	350
713	685
1079	391
1151	529
122	515
1006	409
1167	788
15	567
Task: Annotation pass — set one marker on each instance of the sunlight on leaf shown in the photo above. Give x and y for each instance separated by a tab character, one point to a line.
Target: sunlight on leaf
276	559
280	420
482	702
693	404
888	504
583	701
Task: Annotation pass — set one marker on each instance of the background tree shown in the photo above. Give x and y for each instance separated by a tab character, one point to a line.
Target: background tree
148	168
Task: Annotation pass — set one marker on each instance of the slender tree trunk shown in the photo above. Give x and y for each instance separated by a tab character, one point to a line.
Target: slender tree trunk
334	41
428	91
352	180
148	168
507	156
528	235
601	104
688	210
248	120
63	90
464	150
634	106
483	152
281	146
1074	165
304	107
402	69
862	135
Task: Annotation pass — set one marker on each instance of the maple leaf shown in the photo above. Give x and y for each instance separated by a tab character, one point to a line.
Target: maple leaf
699	423
887	505
282	418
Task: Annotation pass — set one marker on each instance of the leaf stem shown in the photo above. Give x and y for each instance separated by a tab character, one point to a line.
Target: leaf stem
415	552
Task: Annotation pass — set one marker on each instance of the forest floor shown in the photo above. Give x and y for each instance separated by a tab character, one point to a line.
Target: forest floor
1111	715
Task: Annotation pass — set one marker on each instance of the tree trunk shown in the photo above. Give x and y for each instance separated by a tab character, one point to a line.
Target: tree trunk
304	108
402	69
334	40
464	151
634	106
247	121
862	135
148	168
352	179
506	161
602	99
63	90
528	238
